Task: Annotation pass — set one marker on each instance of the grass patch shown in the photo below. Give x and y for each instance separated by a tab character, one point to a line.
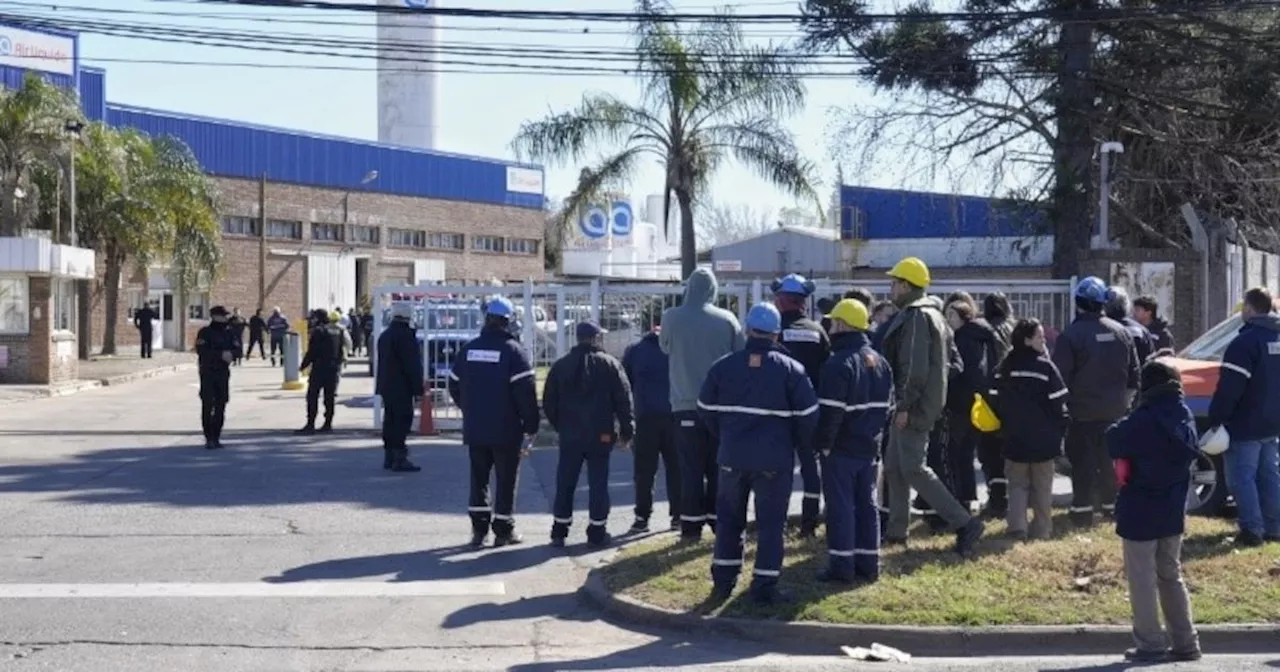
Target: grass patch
1075	578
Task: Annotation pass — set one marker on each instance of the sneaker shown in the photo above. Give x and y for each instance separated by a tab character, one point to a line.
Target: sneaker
640	526
1249	539
1145	656
967	537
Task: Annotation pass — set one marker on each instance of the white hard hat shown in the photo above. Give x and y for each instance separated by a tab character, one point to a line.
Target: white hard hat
402	311
1215	441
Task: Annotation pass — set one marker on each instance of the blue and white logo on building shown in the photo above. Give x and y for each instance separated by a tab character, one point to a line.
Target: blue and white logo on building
594	223
6	45
622	218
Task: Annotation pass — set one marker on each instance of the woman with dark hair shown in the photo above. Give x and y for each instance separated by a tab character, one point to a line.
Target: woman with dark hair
998	315
1030	399
977	345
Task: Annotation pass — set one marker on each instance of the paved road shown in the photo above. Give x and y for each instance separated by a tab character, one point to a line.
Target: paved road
125	546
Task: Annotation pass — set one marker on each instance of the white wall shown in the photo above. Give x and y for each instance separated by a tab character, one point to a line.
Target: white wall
1002	251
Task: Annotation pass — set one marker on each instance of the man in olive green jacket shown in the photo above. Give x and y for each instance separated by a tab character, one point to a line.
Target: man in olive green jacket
915	343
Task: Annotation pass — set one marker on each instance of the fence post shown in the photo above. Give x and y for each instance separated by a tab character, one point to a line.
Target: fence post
595	300
757	292
560	322
527	330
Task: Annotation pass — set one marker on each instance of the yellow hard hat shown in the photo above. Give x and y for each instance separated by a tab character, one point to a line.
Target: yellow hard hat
911	270
852	312
982	417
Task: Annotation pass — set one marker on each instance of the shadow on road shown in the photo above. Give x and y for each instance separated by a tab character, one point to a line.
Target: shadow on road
449	563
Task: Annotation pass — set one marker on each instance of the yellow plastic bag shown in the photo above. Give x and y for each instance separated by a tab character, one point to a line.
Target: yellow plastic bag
983	418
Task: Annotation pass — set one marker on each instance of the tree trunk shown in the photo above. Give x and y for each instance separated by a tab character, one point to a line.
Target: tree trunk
111	299
84	307
688	244
1072	211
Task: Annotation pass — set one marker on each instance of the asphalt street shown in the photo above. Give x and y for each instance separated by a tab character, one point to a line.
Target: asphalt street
126	546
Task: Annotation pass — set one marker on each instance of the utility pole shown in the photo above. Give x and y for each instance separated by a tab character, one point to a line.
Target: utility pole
262	243
84	288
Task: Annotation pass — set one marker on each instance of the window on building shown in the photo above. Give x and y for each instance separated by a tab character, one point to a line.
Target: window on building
487	243
406	238
14	304
327	232
64	305
198	305
239	226
359	233
522	246
446	241
284	228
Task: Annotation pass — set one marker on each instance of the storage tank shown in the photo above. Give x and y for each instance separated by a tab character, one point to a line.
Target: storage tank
408	81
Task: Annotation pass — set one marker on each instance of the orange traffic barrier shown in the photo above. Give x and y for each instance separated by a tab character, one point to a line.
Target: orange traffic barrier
426	424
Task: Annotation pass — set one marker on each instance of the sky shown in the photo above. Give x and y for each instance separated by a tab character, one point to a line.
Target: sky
479	113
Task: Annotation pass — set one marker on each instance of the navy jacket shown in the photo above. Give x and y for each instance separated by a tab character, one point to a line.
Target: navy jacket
1097	360
876	337
1159	440
980	351
400	373
587	398
493	384
1160	334
854	397
647	368
1029	397
1143	342
806	342
761	406
1247	401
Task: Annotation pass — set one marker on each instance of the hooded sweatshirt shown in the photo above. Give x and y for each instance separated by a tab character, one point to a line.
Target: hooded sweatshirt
694	335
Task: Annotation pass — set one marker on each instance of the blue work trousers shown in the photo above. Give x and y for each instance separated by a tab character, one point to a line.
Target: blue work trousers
773	494
853	522
572	456
697	457
811	504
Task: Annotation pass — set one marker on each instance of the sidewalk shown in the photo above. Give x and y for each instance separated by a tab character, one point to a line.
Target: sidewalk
100	371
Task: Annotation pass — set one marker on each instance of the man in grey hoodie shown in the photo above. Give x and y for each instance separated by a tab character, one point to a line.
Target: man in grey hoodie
694	335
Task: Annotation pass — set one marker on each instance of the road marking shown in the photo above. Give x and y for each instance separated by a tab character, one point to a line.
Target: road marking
296	589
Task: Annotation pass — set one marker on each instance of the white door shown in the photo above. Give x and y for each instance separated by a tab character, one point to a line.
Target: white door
428	270
331	281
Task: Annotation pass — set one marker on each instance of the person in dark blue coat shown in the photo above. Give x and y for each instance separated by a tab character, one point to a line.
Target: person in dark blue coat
854	395
1118	308
763	411
400	380
1158	443
1030	399
647	368
493	385
1247	404
587	399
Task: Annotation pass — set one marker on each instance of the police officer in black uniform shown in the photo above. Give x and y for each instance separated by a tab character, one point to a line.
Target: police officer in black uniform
325	357
493	384
142	320
807	343
215	350
400	379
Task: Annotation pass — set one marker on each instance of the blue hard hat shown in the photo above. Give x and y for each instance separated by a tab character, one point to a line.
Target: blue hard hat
499	306
1093	289
793	283
764	318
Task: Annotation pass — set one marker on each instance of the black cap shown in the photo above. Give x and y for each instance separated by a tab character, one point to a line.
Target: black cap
218	311
320	315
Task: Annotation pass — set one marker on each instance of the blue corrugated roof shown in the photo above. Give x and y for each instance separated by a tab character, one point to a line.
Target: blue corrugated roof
889	213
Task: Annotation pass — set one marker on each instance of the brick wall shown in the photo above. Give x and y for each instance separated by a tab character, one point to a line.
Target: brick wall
19	370
287	270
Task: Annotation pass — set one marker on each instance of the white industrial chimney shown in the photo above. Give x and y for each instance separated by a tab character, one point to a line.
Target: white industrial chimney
408	86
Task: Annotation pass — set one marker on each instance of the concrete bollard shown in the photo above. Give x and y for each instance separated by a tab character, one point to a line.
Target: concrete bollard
292	357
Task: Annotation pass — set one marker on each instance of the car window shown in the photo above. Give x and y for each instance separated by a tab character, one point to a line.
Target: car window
1214	342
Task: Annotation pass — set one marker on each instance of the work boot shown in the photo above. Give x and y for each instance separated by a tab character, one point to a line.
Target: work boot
770	596
273	360
327	427
601	541
967	537
402	465
307	429
557	542
508	539
478	539
388	459
1249	539
640	526
210	444
828	576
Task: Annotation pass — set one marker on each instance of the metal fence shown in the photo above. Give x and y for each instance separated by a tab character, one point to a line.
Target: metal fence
547	312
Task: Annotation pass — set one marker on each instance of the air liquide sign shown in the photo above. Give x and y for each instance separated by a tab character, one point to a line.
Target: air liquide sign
30	50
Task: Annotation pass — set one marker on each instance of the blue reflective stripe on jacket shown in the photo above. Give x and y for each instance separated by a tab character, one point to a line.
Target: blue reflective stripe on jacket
855	392
762	408
1247	400
648	369
492	383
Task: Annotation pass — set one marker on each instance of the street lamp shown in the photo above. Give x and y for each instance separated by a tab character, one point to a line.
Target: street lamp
1103	241
75	128
368	177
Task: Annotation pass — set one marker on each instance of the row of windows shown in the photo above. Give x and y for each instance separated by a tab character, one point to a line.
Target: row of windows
282	229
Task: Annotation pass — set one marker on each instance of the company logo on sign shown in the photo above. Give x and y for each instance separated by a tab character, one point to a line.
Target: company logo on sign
43	52
524	180
596	223
417	4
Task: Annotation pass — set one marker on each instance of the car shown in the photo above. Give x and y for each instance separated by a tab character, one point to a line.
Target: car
1198	365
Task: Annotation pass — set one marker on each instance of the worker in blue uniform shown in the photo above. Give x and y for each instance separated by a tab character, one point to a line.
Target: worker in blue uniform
854	398
763	411
807	342
492	383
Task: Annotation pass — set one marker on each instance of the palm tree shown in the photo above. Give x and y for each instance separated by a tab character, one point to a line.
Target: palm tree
33	121
707	95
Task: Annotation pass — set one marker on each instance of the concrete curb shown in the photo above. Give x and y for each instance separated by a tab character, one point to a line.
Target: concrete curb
824	638
77	386
135	376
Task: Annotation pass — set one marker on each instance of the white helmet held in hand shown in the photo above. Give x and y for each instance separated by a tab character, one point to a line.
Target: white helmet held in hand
1215	441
